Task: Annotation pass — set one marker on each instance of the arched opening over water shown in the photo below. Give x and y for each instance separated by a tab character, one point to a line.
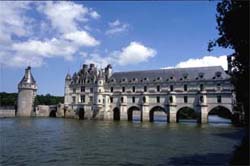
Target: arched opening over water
81	113
134	114
158	114
219	114
116	114
186	114
52	113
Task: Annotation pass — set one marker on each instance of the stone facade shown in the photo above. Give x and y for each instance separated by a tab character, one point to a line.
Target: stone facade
26	94
95	93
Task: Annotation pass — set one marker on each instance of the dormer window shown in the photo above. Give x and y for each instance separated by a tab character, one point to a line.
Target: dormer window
201	75
134	79
158	78
185	76
218	74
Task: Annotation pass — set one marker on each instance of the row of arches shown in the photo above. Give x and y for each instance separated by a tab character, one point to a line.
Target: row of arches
159	114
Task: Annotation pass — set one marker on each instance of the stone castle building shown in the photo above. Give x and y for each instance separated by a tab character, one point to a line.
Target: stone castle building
93	93
26	94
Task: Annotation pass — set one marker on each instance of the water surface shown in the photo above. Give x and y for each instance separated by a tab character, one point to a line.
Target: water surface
55	141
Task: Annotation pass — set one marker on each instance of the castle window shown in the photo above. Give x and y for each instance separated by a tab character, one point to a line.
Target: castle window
185	87
171	88
185	99
201	99
158	78
111	99
82	88
201	87
145	88
111	89
122	100
123	89
144	99
133	99
158	88
133	89
218	74
171	99
91	90
91	99
218	86
73	99
83	99
158	99
218	99
201	75
74	90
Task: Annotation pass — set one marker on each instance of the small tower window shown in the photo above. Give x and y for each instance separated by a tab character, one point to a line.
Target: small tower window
185	87
218	99
111	99
201	99
83	99
185	99
201	87
171	99
82	88
144	99
122	100
158	88
133	99
171	88
218	86
111	89
123	89
133	89
74	99
145	88
158	99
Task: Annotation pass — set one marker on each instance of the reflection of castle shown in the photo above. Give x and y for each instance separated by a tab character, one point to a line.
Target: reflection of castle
101	94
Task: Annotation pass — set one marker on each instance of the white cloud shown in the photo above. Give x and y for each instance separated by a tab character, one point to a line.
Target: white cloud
202	62
116	27
81	38
134	53
27	40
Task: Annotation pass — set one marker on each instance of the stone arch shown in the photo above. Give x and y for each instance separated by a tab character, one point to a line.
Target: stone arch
157	109
81	113
52	113
186	112
130	112
116	113
221	111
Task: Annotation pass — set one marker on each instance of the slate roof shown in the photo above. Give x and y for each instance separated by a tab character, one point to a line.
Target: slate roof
28	77
177	74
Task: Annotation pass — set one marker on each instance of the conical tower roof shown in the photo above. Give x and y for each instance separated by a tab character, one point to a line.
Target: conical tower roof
28	80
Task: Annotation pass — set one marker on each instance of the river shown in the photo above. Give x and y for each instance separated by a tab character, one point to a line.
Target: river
56	141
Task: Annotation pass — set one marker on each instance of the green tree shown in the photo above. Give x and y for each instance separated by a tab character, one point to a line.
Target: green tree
233	27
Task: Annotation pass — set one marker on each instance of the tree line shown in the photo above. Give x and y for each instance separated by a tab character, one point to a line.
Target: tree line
10	99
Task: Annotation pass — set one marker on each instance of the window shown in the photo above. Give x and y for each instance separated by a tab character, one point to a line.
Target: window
133	89
111	89
145	88
201	99
171	99
133	99
121	99
123	89
111	99
158	88
171	88
83	99
185	87
82	88
201	87
218	86
158	99
90	98
218	99
144	99
185	99
91	90
74	90
73	99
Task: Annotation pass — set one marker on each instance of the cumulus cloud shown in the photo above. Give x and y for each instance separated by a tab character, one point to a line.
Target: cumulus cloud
116	27
201	62
134	53
27	40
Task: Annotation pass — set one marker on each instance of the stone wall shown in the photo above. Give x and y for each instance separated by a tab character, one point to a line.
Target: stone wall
7	112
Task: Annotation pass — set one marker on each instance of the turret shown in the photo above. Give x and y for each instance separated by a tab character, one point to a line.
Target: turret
108	71
26	94
67	89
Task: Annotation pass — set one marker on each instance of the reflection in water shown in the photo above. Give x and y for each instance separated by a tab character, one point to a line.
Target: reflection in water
72	142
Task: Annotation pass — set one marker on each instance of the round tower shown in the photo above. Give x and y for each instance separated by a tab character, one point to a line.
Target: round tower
26	94
67	90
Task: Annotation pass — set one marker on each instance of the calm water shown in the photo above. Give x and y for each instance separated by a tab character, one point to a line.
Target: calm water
61	142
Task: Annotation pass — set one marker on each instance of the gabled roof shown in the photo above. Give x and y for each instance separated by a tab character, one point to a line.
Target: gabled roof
177	73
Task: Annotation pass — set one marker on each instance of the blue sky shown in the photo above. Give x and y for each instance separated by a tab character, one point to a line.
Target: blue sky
58	37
